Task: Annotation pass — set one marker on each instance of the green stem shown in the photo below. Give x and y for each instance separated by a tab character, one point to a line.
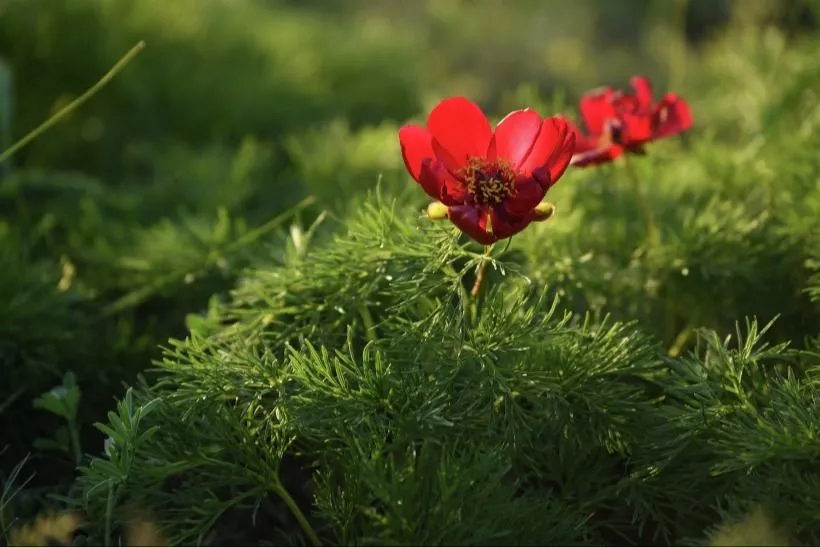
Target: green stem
76	103
471	302
462	291
253	235
367	322
109	512
74	433
479	275
652	232
303	522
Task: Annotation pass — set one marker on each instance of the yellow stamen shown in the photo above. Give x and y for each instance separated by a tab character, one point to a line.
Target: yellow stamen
490	182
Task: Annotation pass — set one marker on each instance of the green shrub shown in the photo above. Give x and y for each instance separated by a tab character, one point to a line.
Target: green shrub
320	367
422	420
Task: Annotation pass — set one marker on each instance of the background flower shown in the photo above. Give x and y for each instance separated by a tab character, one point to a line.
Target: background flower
618	122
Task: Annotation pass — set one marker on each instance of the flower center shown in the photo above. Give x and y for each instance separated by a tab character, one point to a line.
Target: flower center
625	104
616	133
489	182
663	115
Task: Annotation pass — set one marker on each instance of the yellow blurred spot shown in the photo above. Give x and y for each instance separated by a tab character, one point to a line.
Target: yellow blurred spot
47	530
61	102
142	531
756	529
68	274
565	55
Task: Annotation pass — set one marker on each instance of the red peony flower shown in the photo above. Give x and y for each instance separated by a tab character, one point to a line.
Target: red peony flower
489	183
619	122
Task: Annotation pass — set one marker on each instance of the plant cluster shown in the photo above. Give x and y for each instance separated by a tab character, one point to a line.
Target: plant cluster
634	361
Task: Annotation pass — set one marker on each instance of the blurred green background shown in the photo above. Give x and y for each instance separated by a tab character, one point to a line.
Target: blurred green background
216	72
148	201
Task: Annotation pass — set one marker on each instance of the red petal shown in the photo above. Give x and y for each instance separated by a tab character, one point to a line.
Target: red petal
472	222
416	145
528	193
432	177
505	226
582	142
460	130
453	192
597	157
440	184
559	161
596	107
554	136
514	136
678	117
637	128
643	91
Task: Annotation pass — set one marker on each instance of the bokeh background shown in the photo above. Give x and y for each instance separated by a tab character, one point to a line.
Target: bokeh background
137	209
216	71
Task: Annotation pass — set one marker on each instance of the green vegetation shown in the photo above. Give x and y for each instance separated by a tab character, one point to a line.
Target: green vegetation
222	307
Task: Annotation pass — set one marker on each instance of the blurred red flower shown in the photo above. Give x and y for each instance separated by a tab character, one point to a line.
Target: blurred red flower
489	183
619	122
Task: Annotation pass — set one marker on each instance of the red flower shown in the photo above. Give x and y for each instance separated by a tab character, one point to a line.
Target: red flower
491	183
619	122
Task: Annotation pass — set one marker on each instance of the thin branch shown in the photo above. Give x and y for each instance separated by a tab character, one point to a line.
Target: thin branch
76	103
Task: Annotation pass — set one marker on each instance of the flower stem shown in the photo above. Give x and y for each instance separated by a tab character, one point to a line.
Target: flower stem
479	275
652	232
294	508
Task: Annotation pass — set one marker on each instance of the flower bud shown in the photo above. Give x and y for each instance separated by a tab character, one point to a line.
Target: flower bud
437	211
543	211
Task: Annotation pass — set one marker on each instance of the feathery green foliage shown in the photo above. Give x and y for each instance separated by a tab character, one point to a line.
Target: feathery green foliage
233	208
